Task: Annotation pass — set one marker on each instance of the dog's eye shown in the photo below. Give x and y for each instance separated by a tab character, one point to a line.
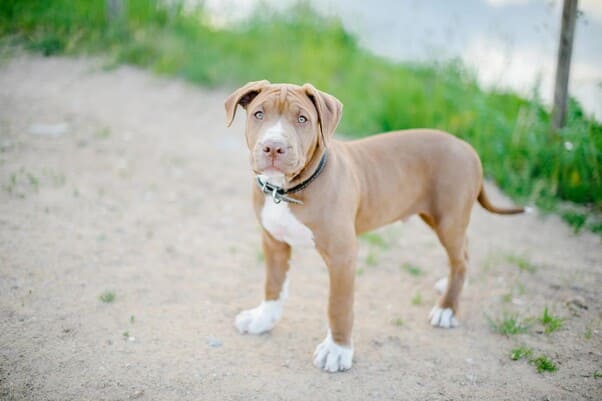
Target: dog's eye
259	115
302	119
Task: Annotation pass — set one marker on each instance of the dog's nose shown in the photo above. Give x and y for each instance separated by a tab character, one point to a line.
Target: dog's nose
273	147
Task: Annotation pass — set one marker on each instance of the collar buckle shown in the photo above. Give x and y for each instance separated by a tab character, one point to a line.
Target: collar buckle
276	197
279	194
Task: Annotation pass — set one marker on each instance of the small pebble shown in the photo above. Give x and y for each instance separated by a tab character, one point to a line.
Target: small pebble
48	130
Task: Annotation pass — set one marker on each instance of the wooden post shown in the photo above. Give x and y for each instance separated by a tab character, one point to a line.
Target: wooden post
115	10
565	49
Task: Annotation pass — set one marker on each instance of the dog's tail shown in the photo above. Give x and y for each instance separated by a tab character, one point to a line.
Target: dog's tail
484	201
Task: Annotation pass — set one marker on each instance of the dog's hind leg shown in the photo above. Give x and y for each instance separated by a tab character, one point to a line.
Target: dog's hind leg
452	235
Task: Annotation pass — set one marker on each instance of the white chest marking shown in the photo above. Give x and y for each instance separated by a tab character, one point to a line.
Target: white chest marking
284	226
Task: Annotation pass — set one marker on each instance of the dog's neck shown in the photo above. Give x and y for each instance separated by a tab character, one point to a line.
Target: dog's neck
274	184
308	170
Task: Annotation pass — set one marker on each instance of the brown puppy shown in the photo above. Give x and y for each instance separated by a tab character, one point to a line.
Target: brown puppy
316	191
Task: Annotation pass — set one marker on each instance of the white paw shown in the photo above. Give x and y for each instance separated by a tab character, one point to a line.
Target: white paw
443	317
332	357
259	320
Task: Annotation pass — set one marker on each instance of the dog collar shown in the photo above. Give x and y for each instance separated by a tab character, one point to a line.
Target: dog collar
280	194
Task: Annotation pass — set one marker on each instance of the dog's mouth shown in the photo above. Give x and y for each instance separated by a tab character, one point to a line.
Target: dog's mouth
272	171
273	166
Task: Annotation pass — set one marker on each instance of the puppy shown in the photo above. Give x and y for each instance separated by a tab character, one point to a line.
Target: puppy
314	191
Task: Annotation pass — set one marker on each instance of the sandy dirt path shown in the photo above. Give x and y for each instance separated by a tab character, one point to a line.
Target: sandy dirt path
116	180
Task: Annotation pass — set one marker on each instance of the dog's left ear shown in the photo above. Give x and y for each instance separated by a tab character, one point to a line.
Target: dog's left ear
329	110
242	96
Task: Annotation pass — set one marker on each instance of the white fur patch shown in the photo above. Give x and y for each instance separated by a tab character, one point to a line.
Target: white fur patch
264	317
441	285
333	357
284	226
443	317
276	132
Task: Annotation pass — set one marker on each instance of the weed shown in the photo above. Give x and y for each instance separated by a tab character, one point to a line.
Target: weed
550	322
132	319
506	298
522	290
359	272
597	374
372	258
508	325
520	352
126	334
21	181
103	133
33	181
588	333
543	364
521	262
259	257
375	240
107	297
398	322
417	300
412	269
510	133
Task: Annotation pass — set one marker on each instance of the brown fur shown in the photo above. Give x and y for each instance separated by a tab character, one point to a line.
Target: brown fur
366	184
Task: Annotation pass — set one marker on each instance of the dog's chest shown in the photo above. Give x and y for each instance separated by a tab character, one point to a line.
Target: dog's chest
278	220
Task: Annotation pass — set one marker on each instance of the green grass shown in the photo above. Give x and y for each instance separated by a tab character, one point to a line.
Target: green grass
103	133
520	353
371	258
522	262
417	299
508	325
374	240
107	297
21	182
550	322
412	269
544	364
511	134
588	333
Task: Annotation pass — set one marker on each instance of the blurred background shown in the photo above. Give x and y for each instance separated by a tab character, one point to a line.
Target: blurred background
510	44
480	69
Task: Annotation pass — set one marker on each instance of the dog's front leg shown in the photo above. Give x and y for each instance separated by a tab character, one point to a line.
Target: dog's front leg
265	316
335	353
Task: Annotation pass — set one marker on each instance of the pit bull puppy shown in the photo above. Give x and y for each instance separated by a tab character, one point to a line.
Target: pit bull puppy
313	190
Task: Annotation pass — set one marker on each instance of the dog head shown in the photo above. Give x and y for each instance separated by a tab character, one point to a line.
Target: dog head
286	125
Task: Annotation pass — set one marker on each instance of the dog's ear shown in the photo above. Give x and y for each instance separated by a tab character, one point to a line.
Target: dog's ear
329	110
242	96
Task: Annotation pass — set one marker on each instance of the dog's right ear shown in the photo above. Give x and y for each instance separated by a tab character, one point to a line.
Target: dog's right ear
242	96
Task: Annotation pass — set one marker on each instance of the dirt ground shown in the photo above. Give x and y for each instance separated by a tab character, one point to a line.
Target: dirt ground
116	180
